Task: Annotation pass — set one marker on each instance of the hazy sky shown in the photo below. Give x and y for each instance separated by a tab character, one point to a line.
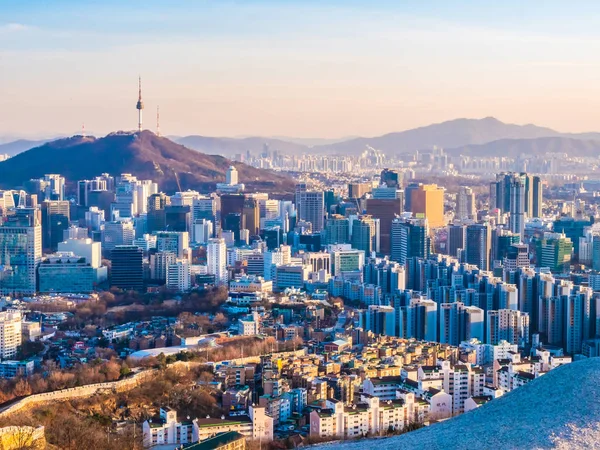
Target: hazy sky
298	68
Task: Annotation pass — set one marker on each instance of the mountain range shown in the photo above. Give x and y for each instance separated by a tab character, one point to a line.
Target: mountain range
476	137
144	154
558	410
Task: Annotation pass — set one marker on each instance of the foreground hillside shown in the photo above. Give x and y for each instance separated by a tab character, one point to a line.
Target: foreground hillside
143	154
559	410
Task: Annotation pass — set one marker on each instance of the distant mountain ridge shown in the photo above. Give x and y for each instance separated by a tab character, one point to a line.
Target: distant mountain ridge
450	134
143	154
455	134
20	145
539	146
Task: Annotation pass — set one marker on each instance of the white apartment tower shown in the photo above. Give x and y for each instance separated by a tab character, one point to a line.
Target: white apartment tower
10	333
216	258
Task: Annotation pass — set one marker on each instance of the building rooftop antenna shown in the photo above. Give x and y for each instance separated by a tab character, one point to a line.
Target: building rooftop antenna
158	121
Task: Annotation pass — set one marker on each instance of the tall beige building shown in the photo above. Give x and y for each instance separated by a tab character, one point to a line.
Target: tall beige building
427	201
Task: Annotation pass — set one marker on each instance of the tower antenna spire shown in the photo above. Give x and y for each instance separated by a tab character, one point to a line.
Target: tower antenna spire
140	105
157	121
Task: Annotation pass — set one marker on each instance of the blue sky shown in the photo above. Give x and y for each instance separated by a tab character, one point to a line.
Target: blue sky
301	68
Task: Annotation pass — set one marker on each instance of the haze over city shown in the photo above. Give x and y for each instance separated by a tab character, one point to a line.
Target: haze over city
296	68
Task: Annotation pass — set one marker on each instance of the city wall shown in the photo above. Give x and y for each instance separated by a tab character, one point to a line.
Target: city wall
117	386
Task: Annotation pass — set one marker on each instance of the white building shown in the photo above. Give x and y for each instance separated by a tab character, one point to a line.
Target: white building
370	416
159	265
250	283
202	231
86	248
168	430
178	276
216	257
249	325
10	333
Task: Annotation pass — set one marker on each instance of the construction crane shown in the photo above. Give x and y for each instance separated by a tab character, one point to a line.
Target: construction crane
177	179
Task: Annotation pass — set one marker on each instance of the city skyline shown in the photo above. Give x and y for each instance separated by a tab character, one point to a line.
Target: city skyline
296	69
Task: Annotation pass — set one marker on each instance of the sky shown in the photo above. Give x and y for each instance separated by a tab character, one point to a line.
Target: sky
301	68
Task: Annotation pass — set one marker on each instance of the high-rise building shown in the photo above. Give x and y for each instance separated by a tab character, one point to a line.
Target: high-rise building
386	210
310	206
520	195
408	190
94	219
507	325
337	229
216	257
117	233
202	231
177	242
364	234
391	178
10	333
478	246
178	276
460	323
84	187
156	217
205	208
251	213
55	219
159	264
20	253
410	238
538	197
127	270
465	204
422	320
357	190
86	248
231	204
554	251
177	218
456	239
427	201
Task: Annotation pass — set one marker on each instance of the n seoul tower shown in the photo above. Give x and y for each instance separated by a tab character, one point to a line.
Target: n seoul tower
140	105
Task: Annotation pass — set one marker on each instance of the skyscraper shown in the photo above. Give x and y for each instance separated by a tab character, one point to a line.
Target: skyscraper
337	229
156	217
410	238
427	201
520	195
251	212
20	253
385	210
127	271
364	234
465	204
55	219
216	259
310	206
456	239
478	245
